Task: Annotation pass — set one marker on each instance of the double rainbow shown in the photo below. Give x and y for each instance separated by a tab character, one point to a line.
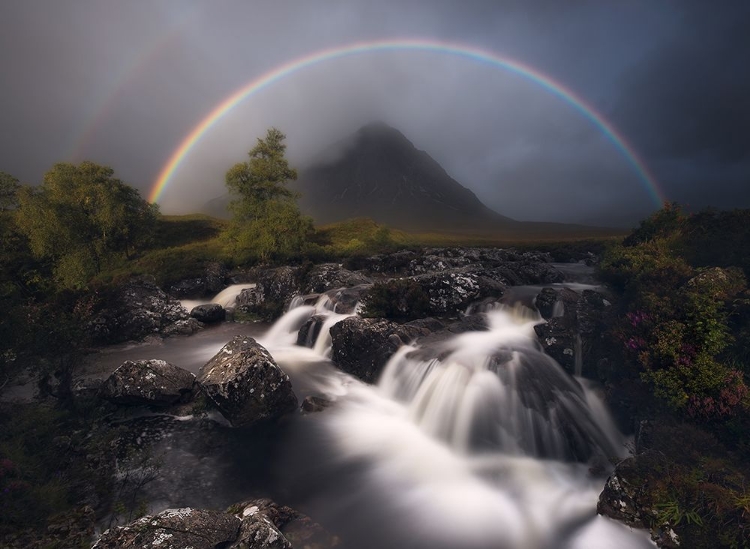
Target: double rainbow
448	48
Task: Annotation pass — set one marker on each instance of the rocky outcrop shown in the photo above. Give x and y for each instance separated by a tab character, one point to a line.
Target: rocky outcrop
245	384
138	309
362	346
148	382
208	313
272	294
254	524
451	292
210	283
574	332
174	529
329	276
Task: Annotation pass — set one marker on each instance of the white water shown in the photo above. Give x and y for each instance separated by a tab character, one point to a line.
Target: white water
481	442
226	298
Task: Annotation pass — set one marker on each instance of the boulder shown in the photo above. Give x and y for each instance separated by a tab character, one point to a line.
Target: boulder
273	292
451	292
148	382
175	529
182	327
245	383
136	310
210	283
298	529
208	313
362	346
328	276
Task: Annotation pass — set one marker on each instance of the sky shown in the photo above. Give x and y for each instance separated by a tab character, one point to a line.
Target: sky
124	83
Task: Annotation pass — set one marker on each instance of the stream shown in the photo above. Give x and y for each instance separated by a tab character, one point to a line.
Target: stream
478	441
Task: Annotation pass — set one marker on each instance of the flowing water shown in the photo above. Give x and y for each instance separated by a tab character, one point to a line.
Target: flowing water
480	441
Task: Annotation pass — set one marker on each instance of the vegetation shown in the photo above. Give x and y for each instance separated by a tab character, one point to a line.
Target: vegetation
402	299
684	310
81	218
266	221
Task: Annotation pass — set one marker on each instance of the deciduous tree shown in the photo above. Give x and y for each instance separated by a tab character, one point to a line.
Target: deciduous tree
266	221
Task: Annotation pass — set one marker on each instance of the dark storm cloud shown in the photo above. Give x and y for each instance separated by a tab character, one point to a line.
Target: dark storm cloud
123	83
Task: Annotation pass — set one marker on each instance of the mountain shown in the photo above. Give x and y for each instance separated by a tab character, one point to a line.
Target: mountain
378	173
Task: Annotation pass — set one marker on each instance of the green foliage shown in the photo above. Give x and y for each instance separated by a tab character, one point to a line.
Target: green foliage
675	316
81	218
266	222
9	187
396	298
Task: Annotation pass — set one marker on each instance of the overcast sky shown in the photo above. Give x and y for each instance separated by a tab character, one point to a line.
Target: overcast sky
122	84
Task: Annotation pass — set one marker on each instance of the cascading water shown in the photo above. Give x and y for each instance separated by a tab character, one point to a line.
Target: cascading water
476	442
226	298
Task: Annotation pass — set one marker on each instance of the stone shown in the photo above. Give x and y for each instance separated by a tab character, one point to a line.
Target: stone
136	310
245	383
208	313
148	382
329	276
175	529
362	346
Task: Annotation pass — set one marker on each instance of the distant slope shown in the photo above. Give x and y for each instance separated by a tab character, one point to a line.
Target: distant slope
378	173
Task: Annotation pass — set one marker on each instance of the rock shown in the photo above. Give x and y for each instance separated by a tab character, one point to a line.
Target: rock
273	292
315	404
136	310
328	276
210	283
622	495
148	382
559	340
362	346
298	529
182	327
310	331
208	313
451	292
258	532
245	384
176	529
545	302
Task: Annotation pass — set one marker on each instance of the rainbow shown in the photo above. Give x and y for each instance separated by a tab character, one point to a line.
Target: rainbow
448	48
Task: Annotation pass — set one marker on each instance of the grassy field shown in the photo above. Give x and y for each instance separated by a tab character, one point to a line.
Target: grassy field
185	244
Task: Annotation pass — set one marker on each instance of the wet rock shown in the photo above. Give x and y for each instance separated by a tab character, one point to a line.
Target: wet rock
315	404
245	384
559	340
182	327
451	292
328	276
148	382
138	309
298	529
362	346
273	292
210	283
622	495
175	529
310	331
545	302
208	313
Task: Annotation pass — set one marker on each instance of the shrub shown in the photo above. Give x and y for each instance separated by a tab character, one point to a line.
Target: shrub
397	298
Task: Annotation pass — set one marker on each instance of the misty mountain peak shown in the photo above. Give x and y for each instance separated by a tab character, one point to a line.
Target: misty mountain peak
377	172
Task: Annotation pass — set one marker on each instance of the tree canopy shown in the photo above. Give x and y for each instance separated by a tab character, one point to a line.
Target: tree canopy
81	217
9	187
265	218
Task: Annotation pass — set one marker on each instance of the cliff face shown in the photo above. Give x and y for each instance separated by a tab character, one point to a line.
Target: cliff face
378	173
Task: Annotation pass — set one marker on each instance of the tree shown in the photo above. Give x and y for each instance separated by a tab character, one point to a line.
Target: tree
9	187
81	218
265	218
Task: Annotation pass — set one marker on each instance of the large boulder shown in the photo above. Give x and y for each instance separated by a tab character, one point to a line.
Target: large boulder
210	283
362	346
175	529
245	383
136	310
273	292
148	382
451	292
208	313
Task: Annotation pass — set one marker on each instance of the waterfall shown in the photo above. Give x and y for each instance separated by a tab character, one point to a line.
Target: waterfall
480	441
226	298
